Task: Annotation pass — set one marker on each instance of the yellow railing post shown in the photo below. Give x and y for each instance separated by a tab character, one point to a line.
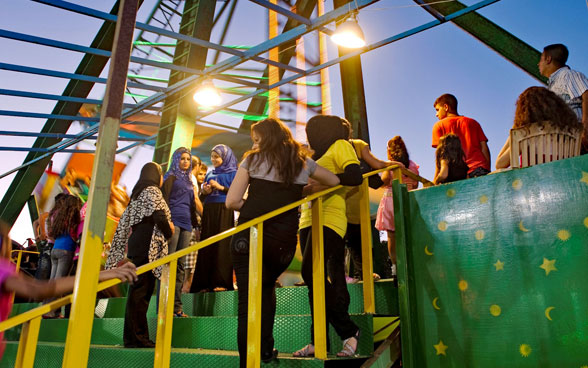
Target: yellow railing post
318	280
27	345
165	320
254	301
397	174
369	305
18	260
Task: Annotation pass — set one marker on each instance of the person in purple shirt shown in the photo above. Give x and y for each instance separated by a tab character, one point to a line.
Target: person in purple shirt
214	268
178	190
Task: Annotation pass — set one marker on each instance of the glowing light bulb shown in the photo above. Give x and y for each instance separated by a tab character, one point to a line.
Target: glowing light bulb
207	95
349	34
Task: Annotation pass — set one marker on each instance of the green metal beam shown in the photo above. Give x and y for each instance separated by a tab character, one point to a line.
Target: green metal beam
353	90
26	178
498	39
179	111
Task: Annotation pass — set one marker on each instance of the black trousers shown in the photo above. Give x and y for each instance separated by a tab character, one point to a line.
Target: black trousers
279	246
136	330
353	242
336	294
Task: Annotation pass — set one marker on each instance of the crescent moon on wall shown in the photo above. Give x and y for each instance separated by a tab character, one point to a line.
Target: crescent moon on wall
427	251
547	311
522	227
437	307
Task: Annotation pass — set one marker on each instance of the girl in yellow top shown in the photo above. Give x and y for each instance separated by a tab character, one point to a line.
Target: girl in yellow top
328	139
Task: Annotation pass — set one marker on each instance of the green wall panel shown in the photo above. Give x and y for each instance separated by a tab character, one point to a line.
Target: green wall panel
497	272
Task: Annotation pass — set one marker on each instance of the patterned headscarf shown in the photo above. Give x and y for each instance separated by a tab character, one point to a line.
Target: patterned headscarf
229	160
143	205
183	176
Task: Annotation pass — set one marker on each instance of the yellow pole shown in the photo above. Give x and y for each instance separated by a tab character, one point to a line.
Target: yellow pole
325	88
27	345
165	318
369	305
318	280
254	300
300	93
274	72
77	344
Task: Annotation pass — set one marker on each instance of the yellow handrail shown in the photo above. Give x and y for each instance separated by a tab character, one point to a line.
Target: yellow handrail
31	319
19	257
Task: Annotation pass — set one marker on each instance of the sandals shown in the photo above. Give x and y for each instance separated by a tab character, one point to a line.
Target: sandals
307	351
350	346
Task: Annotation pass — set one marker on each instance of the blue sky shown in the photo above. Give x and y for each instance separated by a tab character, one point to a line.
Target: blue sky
401	80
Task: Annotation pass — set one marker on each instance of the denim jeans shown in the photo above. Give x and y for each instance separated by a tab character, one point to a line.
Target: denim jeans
179	241
61	262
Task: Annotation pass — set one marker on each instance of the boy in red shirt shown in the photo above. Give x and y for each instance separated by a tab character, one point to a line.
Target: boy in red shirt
470	133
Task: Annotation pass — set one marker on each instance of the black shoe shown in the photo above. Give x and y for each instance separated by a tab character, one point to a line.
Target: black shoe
267	358
138	345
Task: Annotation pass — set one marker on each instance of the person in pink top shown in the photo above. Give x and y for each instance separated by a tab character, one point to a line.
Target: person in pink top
470	133
12	282
385	216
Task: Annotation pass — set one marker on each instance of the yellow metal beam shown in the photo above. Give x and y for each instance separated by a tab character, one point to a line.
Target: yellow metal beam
27	345
165	319
318	280
369	305
254	301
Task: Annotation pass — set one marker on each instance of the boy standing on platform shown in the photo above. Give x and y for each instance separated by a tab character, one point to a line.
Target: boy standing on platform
470	133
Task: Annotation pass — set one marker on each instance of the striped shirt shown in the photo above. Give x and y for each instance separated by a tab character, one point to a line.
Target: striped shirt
569	85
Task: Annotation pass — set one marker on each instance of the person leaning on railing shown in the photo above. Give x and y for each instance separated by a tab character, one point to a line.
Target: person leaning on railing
276	170
328	139
24	286
143	229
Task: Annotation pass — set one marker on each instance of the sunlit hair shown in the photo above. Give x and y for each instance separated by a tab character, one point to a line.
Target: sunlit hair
537	105
324	130
66	218
6	246
196	161
278	148
203	166
558	52
397	151
449	100
449	149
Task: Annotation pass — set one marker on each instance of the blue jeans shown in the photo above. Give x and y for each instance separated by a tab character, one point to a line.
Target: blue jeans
61	262
179	241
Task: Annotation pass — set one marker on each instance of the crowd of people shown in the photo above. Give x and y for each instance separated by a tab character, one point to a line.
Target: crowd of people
170	211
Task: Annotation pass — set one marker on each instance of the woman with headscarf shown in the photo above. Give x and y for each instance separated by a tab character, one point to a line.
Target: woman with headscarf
178	190
143	229
214	268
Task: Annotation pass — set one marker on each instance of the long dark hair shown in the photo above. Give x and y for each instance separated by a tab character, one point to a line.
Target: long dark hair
66	218
397	151
278	148
324	130
449	149
537	105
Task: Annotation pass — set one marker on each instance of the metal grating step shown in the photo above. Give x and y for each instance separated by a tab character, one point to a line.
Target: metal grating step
49	355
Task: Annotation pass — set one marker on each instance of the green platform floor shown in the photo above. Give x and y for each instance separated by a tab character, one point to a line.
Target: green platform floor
102	356
207	337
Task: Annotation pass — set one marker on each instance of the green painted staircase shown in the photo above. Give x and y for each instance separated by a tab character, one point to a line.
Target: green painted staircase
208	337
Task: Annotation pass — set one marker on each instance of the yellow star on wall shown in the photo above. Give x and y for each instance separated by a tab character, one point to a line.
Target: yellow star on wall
441	347
548	266
499	265
584	177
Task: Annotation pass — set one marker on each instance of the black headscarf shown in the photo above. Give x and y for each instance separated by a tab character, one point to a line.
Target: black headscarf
322	131
150	176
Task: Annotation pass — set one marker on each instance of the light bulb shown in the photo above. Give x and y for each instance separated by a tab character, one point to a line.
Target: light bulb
207	95
349	34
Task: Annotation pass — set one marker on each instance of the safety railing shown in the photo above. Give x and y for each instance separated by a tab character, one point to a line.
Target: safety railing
19	256
31	320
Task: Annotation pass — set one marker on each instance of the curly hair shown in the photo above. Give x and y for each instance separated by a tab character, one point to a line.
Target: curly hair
397	151
278	148
65	218
537	105
449	149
